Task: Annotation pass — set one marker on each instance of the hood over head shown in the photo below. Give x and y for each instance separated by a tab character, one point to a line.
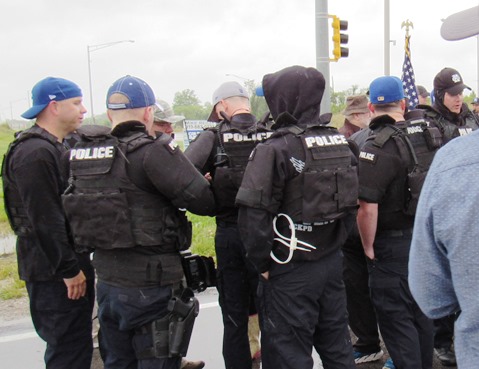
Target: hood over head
294	92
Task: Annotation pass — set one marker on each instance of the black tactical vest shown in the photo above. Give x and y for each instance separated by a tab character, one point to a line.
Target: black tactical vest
327	186
233	148
106	209
14	208
448	129
417	144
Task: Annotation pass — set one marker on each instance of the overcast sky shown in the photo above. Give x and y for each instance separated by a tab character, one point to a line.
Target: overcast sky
193	44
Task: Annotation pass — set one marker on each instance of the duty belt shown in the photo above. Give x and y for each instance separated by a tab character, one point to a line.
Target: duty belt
395	233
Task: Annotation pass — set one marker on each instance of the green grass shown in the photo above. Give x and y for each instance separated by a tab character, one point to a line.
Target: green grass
6	136
204	229
11	286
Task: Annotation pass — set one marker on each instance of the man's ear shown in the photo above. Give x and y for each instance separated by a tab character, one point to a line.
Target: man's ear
220	106
371	107
52	107
148	115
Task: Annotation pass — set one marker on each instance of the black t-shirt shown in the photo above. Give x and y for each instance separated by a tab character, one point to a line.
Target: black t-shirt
382	180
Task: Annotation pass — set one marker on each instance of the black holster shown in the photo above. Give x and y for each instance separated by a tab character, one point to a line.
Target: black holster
171	334
184	311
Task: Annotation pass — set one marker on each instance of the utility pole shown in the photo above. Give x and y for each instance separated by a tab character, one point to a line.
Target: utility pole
89	50
387	42
322	51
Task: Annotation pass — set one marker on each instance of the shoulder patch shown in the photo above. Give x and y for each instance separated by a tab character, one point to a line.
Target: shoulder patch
367	156
172	145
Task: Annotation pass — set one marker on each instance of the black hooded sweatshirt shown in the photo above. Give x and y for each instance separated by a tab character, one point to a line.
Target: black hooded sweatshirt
293	95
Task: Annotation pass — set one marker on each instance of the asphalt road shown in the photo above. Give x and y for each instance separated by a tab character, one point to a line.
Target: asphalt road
20	347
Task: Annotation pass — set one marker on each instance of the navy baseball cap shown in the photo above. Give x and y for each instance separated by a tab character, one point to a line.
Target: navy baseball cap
138	92
449	80
50	89
475	101
385	90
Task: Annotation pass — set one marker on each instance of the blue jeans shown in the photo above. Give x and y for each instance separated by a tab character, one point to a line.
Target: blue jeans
121	312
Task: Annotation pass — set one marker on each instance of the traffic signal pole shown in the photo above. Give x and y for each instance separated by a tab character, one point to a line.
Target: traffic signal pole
322	51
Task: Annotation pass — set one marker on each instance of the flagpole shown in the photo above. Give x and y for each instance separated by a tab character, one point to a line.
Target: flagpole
387	42
408	78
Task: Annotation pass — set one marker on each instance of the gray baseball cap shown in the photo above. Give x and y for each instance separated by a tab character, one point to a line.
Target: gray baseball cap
226	90
164	113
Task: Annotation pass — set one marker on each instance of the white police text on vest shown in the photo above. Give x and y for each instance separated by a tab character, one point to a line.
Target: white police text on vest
416	129
366	156
464	131
239	137
319	141
104	152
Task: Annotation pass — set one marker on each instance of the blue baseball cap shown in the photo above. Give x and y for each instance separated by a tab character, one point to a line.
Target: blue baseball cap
385	90
50	89
138	92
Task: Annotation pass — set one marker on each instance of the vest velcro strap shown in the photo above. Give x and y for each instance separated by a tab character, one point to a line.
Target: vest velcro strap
109	183
384	135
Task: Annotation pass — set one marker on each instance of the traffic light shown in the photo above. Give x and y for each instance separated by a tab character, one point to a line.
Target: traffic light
339	38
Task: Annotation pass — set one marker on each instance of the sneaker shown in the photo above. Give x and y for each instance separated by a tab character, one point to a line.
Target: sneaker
256	363
446	356
389	364
361	357
186	364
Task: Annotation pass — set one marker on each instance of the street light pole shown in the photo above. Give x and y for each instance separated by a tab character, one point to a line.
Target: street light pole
90	49
387	37
322	51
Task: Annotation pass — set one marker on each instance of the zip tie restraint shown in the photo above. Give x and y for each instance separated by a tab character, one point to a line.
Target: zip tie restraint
291	243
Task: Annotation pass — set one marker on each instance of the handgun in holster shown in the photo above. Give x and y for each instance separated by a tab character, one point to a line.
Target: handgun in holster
171	334
184	310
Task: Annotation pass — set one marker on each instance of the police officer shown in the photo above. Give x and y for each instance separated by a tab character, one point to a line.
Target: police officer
453	117
298	187
448	111
222	153
392	167
58	280
123	200
163	120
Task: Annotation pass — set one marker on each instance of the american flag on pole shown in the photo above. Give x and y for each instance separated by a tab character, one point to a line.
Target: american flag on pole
408	79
